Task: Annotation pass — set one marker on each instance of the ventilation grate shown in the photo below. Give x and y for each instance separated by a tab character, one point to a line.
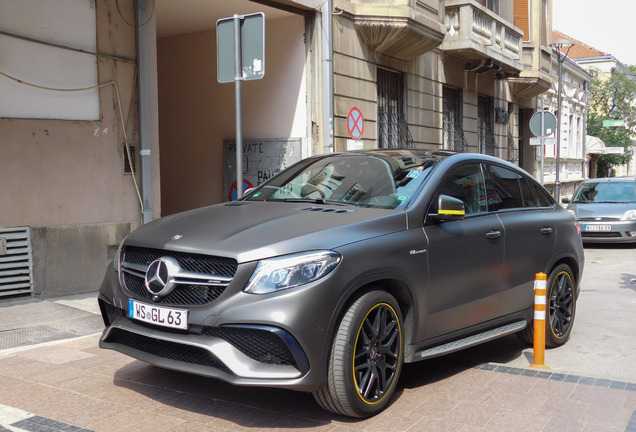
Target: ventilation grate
327	210
16	261
130	164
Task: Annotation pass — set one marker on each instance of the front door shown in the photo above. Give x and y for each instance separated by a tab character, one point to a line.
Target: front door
466	258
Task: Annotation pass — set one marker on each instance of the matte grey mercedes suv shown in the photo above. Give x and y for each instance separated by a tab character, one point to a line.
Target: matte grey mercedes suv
335	272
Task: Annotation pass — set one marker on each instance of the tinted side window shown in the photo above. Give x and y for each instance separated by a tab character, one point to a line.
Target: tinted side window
538	196
504	190
466	183
526	193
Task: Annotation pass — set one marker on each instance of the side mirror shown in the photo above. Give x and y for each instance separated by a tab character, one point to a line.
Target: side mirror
565	200
449	209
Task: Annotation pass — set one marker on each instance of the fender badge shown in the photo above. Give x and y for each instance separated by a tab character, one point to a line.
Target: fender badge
177	237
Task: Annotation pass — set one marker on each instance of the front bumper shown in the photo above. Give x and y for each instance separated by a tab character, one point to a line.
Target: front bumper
240	338
238	354
597	232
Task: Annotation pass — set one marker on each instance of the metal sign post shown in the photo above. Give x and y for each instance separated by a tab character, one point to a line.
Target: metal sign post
237	96
542	123
240	41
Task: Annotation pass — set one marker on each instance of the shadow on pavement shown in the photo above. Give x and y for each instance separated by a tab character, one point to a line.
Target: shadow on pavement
502	350
244	406
267	407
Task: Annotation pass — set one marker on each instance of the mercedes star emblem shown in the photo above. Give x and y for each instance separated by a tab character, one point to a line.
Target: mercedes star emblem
160	276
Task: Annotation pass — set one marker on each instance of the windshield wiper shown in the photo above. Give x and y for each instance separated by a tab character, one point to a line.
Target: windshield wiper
318	201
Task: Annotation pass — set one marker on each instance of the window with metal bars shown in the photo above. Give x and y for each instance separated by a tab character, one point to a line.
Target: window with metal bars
393	131
453	134
485	135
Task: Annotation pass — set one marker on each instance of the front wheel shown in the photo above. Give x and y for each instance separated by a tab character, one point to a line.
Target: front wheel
366	357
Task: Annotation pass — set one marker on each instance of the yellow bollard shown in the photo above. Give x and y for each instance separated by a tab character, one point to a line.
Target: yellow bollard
539	321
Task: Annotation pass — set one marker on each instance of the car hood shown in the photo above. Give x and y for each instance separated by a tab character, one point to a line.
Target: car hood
600	210
249	231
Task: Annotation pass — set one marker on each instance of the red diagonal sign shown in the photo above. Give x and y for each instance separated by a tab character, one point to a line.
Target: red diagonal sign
355	123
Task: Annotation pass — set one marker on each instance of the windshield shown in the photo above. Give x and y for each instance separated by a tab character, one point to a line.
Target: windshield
606	192
349	179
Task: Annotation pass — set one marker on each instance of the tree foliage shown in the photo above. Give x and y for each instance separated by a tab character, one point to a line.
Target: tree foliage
613	98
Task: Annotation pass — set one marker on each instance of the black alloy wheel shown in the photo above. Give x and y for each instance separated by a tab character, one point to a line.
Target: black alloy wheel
561	306
377	353
366	357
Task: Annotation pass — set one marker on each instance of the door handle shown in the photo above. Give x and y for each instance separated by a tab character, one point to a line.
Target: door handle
546	230
493	234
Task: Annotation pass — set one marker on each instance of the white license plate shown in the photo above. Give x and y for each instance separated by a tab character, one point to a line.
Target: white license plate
159	315
597	227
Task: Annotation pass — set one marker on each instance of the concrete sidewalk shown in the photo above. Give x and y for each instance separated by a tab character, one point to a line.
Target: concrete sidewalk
28	322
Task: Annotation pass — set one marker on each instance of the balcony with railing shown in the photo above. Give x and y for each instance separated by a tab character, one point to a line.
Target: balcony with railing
402	29
483	39
535	77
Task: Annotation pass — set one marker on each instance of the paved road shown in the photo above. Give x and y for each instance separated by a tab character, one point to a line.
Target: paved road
73	385
603	341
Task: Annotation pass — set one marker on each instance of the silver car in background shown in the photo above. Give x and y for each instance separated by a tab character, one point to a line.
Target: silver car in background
606	209
334	273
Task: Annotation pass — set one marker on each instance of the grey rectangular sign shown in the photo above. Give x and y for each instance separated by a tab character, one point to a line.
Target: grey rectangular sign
252	47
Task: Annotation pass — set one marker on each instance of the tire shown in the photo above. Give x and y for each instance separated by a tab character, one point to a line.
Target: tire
366	358
560	309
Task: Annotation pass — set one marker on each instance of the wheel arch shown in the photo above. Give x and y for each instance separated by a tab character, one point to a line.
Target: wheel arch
389	283
577	271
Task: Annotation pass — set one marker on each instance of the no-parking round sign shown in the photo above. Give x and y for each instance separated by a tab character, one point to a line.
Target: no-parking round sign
355	123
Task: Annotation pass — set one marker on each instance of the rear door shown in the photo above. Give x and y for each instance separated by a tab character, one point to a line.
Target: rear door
528	219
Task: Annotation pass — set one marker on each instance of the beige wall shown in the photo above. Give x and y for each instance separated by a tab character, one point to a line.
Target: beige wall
196	112
355	84
66	178
55	172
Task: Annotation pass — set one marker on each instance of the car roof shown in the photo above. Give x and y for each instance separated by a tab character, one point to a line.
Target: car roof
423	153
610	179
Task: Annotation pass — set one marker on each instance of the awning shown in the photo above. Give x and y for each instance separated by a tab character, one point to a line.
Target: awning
594	145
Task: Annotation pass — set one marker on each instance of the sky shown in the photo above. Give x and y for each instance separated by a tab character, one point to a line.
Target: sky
606	25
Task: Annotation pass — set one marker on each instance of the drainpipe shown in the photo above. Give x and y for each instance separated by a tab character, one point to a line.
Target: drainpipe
327	76
585	167
144	109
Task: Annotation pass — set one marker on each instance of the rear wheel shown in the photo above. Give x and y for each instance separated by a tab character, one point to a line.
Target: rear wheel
561	306
560	309
366	357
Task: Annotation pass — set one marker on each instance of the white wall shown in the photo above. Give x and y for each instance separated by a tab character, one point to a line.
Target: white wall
45	65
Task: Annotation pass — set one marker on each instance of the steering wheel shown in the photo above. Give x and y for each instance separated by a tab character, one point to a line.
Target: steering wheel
309	189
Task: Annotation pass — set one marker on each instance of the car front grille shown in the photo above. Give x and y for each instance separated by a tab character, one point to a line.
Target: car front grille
183	294
196	263
165	349
602	234
261	345
109	312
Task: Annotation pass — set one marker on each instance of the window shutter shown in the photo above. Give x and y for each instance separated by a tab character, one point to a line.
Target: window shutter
522	17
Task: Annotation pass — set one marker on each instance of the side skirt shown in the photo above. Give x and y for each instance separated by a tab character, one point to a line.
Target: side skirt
470	341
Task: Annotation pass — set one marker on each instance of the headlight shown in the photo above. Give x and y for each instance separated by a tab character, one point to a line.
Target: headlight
289	271
629	215
116	259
